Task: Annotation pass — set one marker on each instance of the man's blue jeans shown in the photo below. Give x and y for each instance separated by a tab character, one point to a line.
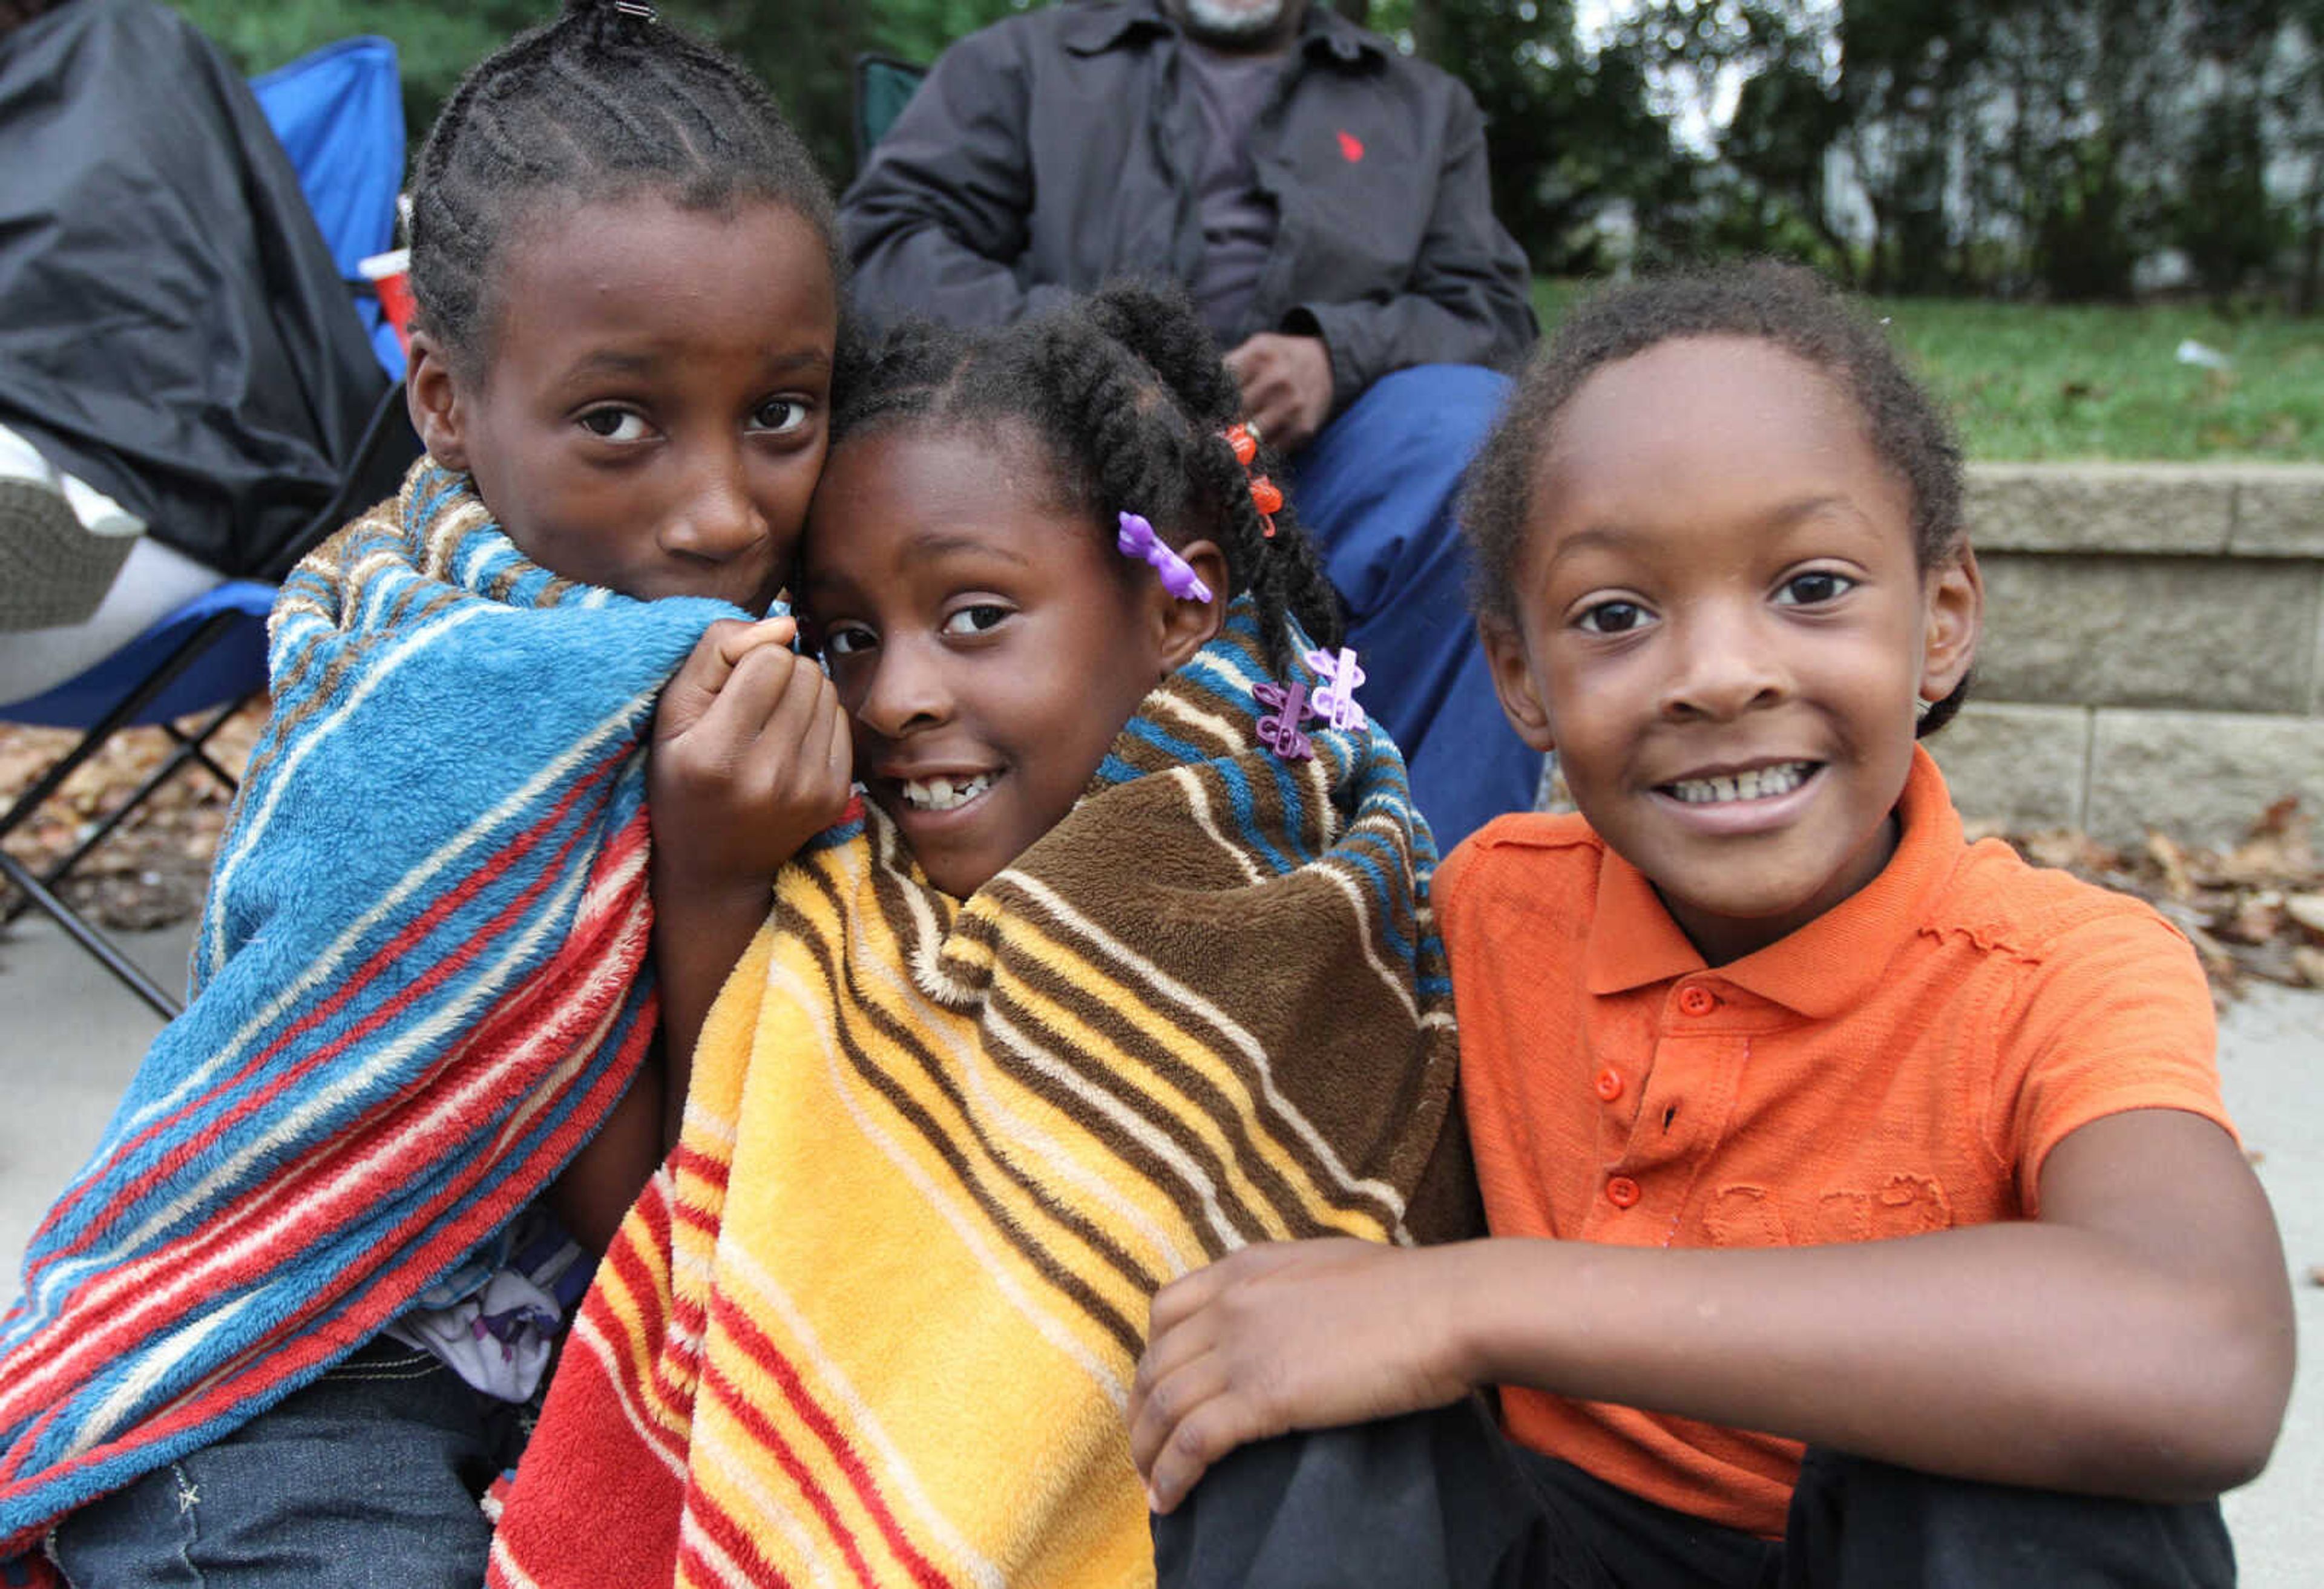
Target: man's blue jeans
369	1476
1376	489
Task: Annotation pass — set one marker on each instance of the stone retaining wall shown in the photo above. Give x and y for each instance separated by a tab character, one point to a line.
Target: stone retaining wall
2153	654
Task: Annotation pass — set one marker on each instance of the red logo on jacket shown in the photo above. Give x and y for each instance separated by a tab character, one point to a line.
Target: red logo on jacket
1352	146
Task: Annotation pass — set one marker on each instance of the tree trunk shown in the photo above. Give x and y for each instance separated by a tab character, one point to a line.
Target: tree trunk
1428	30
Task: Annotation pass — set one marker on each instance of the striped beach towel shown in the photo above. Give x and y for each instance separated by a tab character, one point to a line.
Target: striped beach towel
875	1320
420	985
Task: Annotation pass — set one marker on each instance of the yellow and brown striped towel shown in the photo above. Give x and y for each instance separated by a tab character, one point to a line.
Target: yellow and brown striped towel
875	1320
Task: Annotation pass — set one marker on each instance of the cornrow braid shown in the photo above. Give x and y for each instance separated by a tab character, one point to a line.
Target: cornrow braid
602	103
1128	392
1786	305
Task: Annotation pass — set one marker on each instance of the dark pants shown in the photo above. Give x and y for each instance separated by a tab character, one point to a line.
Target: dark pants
1442	1500
1376	490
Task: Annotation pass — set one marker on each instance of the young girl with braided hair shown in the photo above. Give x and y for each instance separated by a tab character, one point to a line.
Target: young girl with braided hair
1123	962
285	1325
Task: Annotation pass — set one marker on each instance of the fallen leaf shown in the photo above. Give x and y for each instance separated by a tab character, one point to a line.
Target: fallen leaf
2310	963
2167	854
2282	815
2307	910
2254	920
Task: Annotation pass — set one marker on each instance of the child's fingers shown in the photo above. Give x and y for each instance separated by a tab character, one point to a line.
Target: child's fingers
704	674
1186	1296
830	743
746	706
803	746
788	731
737	640
840	761
1190	1293
1209	1431
1161	1399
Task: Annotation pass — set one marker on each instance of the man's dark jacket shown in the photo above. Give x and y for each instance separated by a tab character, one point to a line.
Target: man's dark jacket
1053	152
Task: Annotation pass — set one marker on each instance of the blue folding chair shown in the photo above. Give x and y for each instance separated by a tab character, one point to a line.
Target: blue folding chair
339	113
340	117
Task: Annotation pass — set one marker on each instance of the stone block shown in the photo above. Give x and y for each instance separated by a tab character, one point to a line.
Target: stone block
2184	509
2316	675
2226	634
2023	766
2279	511
2203	778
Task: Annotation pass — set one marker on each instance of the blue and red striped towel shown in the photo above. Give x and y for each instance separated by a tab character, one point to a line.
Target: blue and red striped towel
421	981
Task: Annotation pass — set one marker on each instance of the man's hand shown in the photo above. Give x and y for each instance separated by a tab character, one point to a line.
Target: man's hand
1287	386
1292	1335
750	757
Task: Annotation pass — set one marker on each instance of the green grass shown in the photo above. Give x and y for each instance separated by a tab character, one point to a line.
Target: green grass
2032	382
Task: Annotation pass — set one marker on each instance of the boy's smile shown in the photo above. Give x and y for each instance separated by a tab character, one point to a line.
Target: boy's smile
1724	633
988	643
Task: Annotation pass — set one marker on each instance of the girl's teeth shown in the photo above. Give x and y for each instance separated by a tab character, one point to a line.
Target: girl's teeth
943	794
1759	784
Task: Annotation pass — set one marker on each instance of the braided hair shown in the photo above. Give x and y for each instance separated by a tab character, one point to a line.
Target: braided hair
1786	305
604	103
1127	392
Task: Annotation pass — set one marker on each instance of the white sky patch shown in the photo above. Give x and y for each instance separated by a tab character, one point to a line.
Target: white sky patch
1699	111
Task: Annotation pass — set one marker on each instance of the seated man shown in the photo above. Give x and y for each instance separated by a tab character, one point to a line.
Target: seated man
1325	200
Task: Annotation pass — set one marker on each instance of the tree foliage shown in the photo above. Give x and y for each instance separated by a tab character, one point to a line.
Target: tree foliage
2013	146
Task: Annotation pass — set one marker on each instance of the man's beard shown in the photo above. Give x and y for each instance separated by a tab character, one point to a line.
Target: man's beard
1223	23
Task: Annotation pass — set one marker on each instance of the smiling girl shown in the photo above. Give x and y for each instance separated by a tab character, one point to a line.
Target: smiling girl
1126	962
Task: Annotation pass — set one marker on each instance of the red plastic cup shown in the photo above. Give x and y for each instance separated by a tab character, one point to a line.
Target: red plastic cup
389	274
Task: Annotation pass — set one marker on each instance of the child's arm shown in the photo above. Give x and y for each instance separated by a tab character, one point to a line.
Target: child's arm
750	759
592	1194
2136	1340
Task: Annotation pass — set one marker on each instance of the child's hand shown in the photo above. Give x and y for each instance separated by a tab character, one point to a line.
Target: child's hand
1292	1335
750	756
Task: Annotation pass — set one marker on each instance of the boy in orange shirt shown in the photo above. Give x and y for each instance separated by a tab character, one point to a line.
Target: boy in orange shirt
1803	1126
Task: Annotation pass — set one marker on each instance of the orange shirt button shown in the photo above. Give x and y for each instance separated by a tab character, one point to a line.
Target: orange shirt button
1610	1084
1621	1192
1697	1000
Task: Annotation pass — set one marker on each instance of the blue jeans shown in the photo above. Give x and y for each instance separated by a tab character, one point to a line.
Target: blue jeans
369	1476
1376	489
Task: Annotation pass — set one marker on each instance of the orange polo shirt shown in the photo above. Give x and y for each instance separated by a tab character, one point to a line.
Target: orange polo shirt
1902	1063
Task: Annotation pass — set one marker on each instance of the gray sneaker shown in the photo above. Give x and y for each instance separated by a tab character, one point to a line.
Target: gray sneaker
53	571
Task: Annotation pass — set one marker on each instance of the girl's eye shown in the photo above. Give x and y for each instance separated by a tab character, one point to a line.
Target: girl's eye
976	619
849	640
1613	618
782	414
1814	588
614	425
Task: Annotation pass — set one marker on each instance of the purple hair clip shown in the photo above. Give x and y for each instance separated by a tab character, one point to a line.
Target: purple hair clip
1279	731
1139	540
1336	701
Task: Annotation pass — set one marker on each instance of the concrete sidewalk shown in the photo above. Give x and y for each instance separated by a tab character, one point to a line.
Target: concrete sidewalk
70	1036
